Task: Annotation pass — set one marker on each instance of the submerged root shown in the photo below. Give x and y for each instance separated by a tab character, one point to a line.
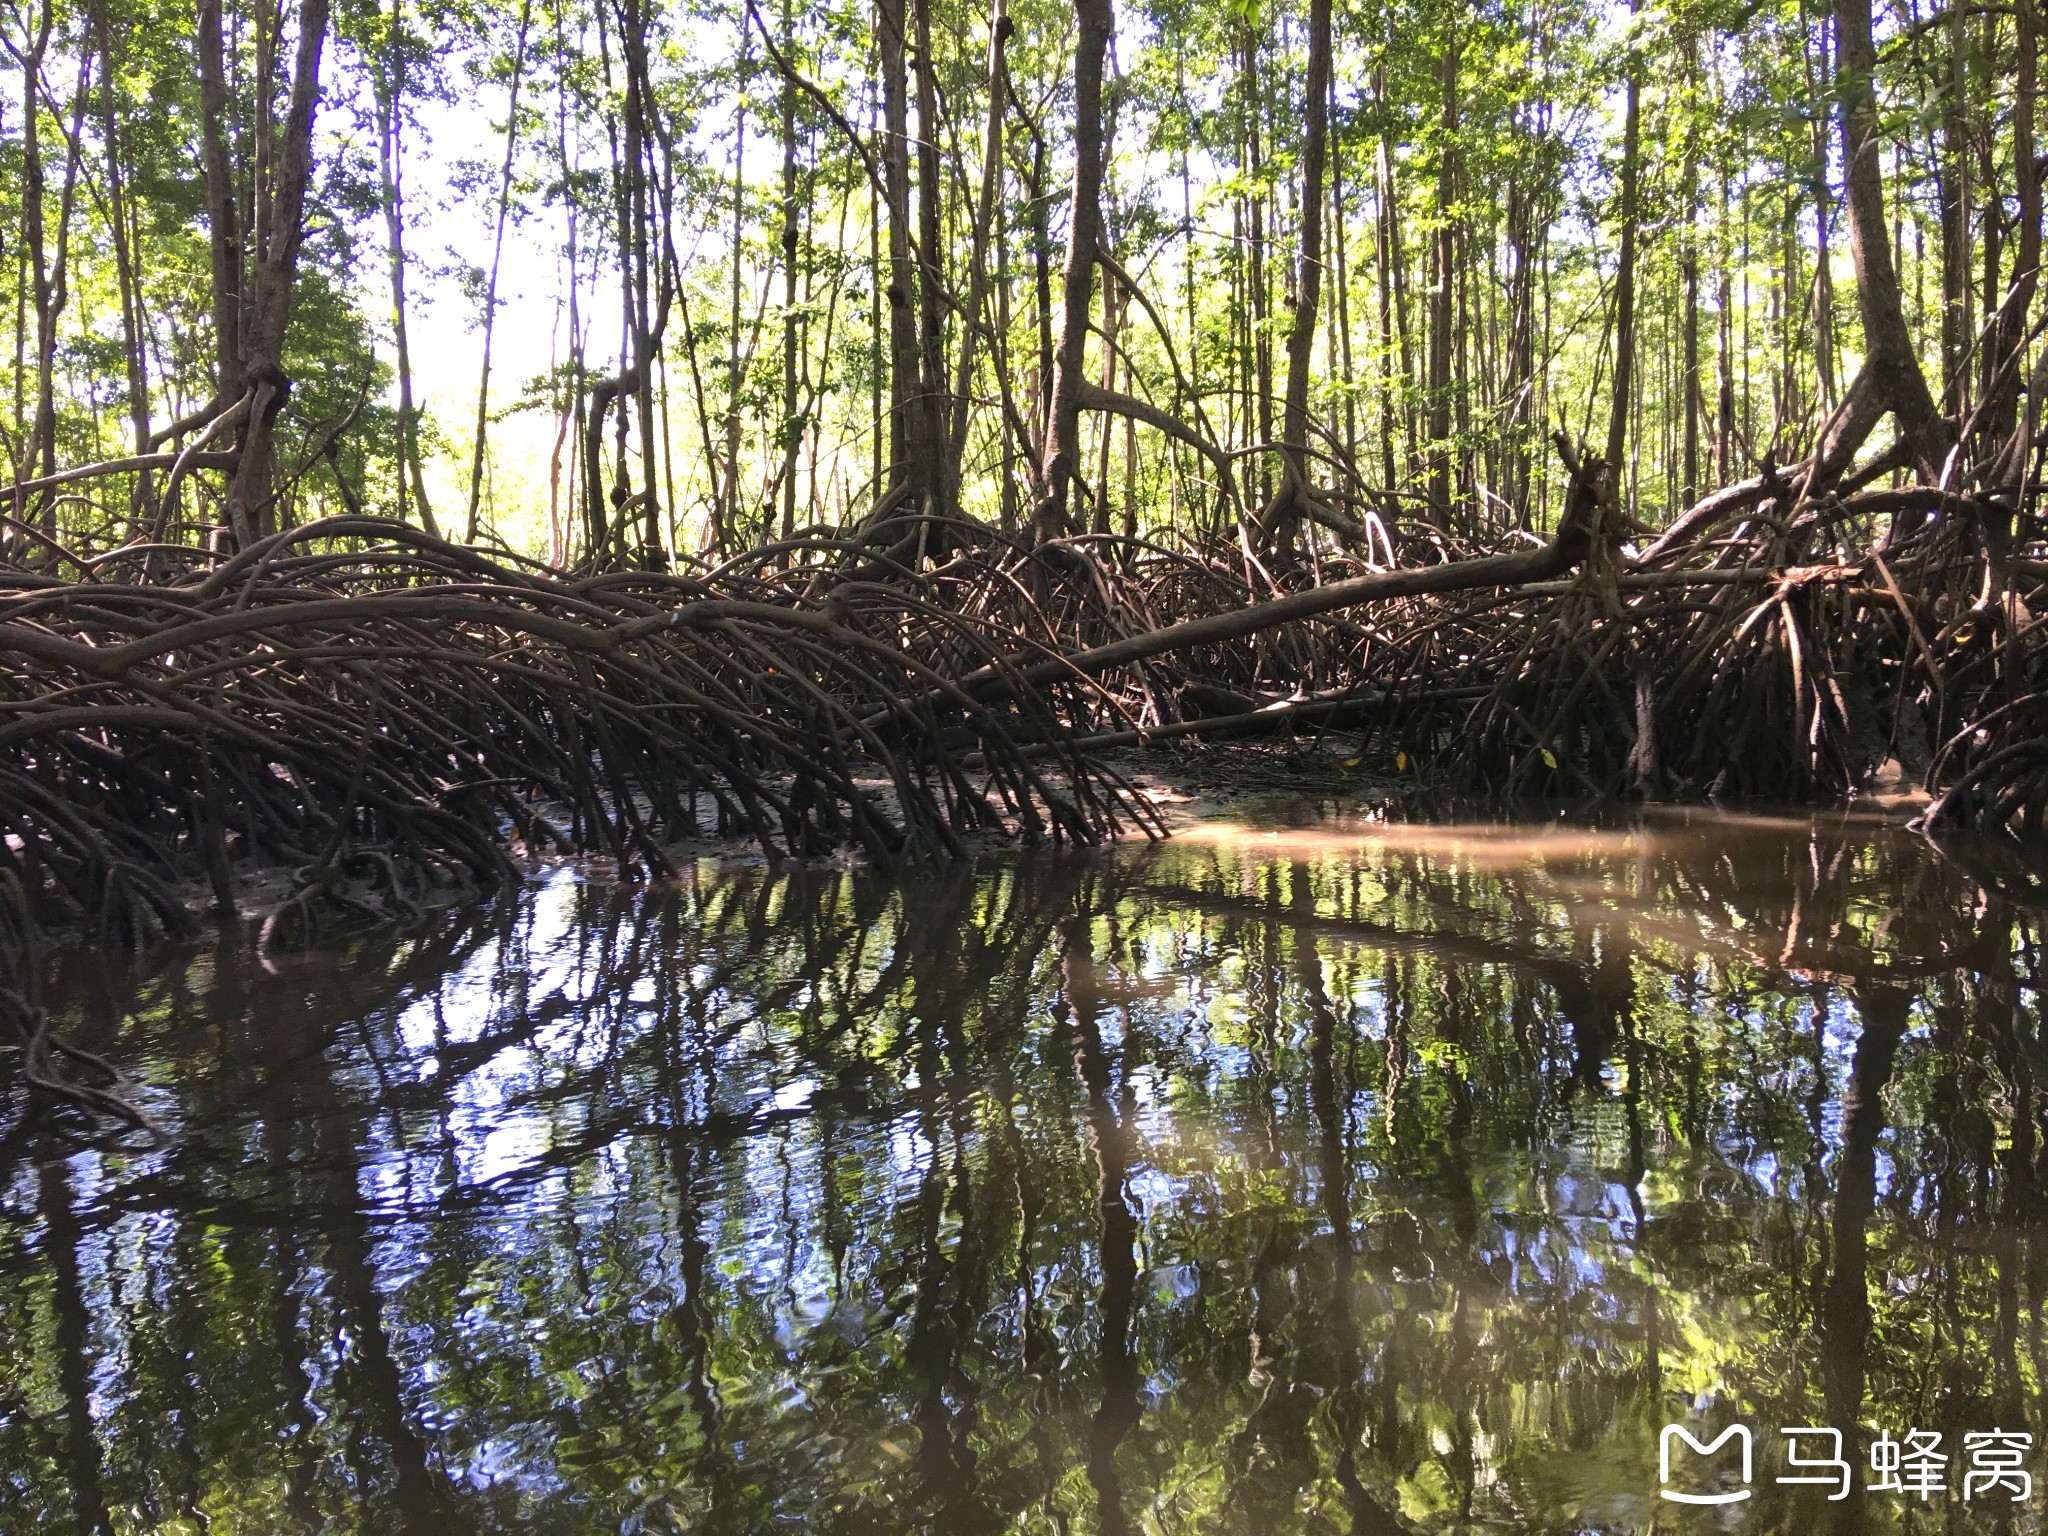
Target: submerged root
56	1071
391	716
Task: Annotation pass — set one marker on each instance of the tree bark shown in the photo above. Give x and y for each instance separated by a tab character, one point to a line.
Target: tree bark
1084	231
985	217
2002	403
284	169
1625	272
1443	279
223	224
909	455
483	383
791	428
1301	339
49	271
127	271
729	497
388	81
1891	363
1261	334
933	398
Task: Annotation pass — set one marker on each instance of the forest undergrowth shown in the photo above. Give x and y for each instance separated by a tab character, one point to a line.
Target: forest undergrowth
381	721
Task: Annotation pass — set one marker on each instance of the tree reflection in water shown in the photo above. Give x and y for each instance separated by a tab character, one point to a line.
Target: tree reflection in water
1306	1175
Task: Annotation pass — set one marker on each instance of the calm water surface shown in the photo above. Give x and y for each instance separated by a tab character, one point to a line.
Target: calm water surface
1306	1174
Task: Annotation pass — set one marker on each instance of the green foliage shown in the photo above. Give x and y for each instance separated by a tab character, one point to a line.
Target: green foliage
1481	133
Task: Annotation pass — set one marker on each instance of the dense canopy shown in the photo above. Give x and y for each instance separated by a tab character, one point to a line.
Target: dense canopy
756	269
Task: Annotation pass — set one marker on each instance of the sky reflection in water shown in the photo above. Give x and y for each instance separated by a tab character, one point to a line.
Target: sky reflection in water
1307	1174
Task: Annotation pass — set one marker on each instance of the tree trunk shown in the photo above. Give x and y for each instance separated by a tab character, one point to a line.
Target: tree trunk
1823	260
1063	445
1689	367
933	399
646	272
2006	426
2002	402
910	462
1625	274
1341	355
728	499
1261	305
791	428
388	83
483	383
1993	238
283	171
49	271
1954	184
223	223
1383	281
1309	285
1443	280
1890	360
985	219
1724	392
134	323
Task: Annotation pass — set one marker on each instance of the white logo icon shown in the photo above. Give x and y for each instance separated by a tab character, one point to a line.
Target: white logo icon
1679	1432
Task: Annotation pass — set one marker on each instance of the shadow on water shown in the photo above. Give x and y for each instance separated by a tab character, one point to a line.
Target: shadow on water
1311	1173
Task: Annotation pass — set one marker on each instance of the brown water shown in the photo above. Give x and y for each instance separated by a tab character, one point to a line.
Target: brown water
1309	1174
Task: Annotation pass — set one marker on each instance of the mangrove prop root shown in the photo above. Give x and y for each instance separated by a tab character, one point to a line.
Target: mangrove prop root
395	720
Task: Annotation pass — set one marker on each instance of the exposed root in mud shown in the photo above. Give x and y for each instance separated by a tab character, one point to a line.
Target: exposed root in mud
391	721
387	716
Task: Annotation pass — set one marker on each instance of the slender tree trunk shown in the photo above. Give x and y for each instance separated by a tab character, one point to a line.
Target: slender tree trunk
1063	442
985	220
1443	281
1891	364
646	270
49	271
1689	368
1724	394
1823	259
1625	273
1340	356
2007	426
729	496
1007	455
1041	270
1261	311
284	169
1464	340
1113	307
134	323
791	427
1954	184
388	78
910	462
1301	339
1993	236
1383	283
483	383
934	401
224	226
881	425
